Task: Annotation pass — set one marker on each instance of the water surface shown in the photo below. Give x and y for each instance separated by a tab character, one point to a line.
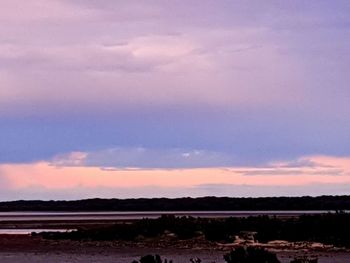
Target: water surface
25	231
46	216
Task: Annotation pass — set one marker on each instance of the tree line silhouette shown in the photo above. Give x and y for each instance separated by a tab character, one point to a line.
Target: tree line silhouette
184	204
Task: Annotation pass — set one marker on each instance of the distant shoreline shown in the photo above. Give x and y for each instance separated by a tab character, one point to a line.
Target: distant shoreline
304	203
48	216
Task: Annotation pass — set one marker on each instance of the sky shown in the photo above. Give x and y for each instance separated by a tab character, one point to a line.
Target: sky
174	98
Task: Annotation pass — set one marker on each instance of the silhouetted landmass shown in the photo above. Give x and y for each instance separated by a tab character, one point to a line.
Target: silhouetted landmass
238	255
185	204
332	229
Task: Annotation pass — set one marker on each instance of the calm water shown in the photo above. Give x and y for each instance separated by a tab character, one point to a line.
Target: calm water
27	231
47	216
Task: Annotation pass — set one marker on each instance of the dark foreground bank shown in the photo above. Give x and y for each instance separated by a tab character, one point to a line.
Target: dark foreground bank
24	248
329	229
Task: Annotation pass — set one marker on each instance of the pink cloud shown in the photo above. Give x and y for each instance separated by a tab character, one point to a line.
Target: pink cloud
48	176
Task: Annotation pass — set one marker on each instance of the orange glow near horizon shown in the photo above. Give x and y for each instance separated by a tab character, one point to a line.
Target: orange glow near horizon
327	170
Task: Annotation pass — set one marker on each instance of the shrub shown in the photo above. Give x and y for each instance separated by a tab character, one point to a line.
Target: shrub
152	259
250	255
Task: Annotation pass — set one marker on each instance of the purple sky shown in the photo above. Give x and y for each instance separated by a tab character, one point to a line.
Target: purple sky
167	85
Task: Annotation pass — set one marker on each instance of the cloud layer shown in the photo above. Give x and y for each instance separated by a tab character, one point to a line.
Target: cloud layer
165	85
92	56
313	175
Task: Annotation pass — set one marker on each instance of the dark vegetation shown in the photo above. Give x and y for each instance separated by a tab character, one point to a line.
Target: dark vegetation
237	255
152	259
185	204
328	228
250	255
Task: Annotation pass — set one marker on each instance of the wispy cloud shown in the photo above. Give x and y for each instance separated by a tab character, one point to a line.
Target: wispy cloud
121	158
144	158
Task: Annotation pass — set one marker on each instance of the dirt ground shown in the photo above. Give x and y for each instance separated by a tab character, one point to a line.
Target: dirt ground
24	248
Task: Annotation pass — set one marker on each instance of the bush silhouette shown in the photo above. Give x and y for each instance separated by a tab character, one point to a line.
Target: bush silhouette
152	259
250	255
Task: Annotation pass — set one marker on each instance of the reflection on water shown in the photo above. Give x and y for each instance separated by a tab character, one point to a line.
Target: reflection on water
36	216
29	231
